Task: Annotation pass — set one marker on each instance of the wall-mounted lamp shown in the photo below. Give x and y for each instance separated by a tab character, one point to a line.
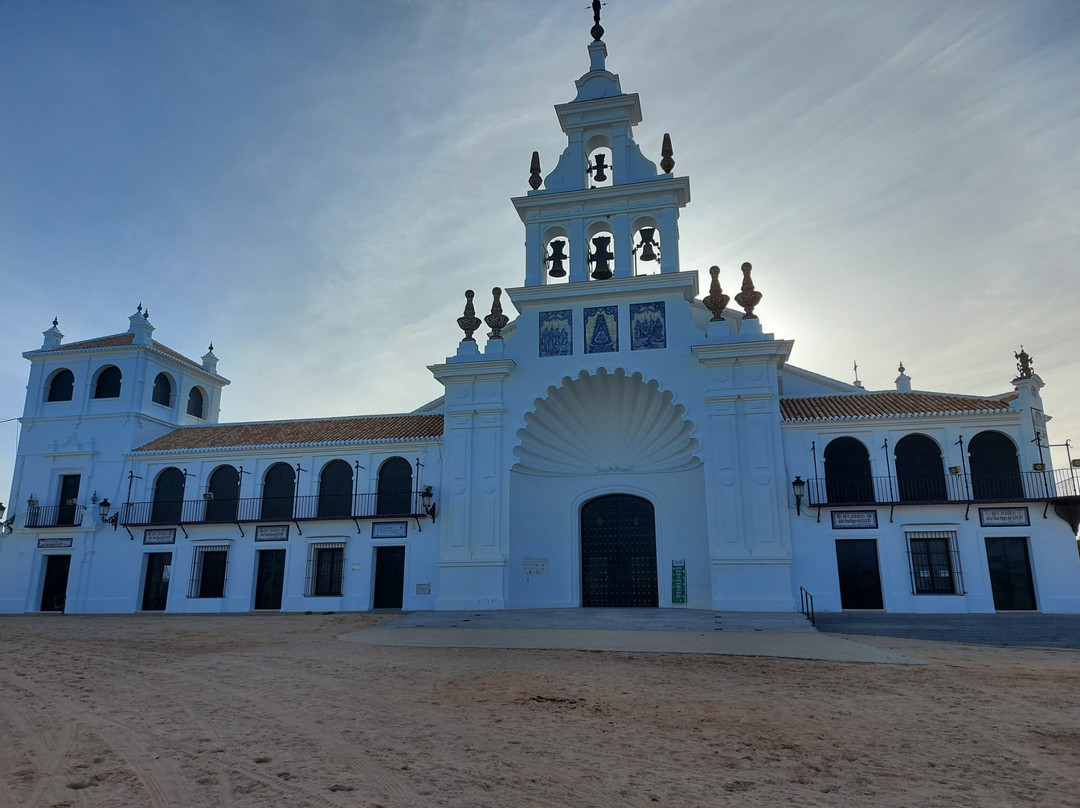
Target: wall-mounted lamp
430	507
798	485
954	469
32	503
209	495
5	527
1038	467
103	511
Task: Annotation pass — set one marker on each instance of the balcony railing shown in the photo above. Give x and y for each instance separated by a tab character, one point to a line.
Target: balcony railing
272	509
54	516
912	489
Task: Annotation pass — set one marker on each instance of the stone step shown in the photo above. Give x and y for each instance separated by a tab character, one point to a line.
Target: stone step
1029	629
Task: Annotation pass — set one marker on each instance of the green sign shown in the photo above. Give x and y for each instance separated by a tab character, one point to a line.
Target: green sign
678	581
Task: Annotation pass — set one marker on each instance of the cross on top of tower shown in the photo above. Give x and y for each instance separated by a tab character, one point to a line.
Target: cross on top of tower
597	29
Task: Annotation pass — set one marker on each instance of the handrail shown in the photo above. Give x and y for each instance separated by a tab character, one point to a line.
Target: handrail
54	515
1024	486
273	509
806	606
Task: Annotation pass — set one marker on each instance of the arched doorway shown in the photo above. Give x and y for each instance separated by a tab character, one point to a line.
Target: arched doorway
618	552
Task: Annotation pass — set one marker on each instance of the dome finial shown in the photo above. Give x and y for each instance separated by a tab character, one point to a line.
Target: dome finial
597	29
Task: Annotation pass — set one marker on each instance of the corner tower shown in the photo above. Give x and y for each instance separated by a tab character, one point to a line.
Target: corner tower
605	210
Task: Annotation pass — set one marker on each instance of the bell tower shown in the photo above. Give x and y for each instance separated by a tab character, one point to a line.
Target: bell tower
604	211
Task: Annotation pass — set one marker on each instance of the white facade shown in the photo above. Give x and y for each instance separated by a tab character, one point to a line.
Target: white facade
611	446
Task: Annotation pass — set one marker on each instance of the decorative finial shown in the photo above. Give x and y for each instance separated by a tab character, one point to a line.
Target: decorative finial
597	29
1024	361
901	368
496	320
748	298
534	172
469	322
146	314
716	300
139	307
211	347
668	161
855	367
56	321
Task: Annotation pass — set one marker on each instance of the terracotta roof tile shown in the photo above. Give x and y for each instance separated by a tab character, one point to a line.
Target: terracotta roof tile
329	431
887	404
117	341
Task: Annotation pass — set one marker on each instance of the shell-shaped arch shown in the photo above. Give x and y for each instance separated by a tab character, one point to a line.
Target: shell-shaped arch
606	422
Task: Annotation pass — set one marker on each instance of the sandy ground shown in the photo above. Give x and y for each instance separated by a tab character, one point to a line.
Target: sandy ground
273	710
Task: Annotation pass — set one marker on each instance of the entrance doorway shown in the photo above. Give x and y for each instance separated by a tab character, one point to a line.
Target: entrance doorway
389	577
54	590
156	590
860	580
1010	574
270	579
618	552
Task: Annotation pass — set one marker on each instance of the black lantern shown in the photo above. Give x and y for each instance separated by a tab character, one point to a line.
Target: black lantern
426	496
798	485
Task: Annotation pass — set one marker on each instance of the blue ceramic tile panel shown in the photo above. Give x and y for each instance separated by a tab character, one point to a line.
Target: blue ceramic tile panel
556	336
602	329
648	328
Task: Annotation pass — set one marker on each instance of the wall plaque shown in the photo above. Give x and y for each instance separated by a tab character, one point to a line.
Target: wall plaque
53	544
389	530
1004	517
678	581
648	328
536	566
272	533
602	329
159	535
854	520
556	337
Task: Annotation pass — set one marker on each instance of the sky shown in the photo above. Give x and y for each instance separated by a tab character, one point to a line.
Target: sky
312	184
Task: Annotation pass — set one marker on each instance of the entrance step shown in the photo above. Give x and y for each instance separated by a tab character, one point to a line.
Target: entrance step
784	622
1030	628
617	619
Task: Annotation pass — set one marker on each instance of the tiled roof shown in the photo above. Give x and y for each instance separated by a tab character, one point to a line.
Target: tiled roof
854	406
116	341
320	432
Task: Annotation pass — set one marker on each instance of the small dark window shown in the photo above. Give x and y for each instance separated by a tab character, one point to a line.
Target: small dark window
224	495
108	383
162	390
995	469
847	472
328	568
394	496
168	502
279	487
208	572
935	564
195	402
919	472
335	490
69	500
62	386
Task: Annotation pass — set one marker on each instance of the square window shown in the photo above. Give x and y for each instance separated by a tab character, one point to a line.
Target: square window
208	572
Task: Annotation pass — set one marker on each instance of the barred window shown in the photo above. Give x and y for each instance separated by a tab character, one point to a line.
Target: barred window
935	563
325	569
208	571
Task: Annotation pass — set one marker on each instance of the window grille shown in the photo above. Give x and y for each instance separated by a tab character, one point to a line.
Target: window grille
208	571
934	563
325	569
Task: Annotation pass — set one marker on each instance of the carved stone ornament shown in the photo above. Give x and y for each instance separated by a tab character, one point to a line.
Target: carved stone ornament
716	299
496	320
469	322
597	29
535	181
749	297
668	161
1024	361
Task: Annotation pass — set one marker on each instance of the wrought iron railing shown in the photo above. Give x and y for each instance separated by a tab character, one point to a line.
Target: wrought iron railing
913	489
272	509
54	516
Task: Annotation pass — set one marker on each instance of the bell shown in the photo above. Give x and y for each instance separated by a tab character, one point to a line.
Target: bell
601	258
598	170
647	245
557	257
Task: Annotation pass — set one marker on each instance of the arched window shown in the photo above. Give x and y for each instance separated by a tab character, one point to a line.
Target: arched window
168	497
335	490
61	386
995	469
108	383
223	491
162	390
919	473
847	472
279	488
394	497
195	402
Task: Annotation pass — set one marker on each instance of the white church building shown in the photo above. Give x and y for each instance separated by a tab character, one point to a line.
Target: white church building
626	440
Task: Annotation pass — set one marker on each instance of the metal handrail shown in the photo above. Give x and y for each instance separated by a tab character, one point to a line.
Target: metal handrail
806	606
54	515
910	489
312	507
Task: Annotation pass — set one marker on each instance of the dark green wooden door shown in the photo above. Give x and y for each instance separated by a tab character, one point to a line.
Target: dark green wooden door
156	589
618	552
1010	574
857	568
389	577
270	579
54	591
